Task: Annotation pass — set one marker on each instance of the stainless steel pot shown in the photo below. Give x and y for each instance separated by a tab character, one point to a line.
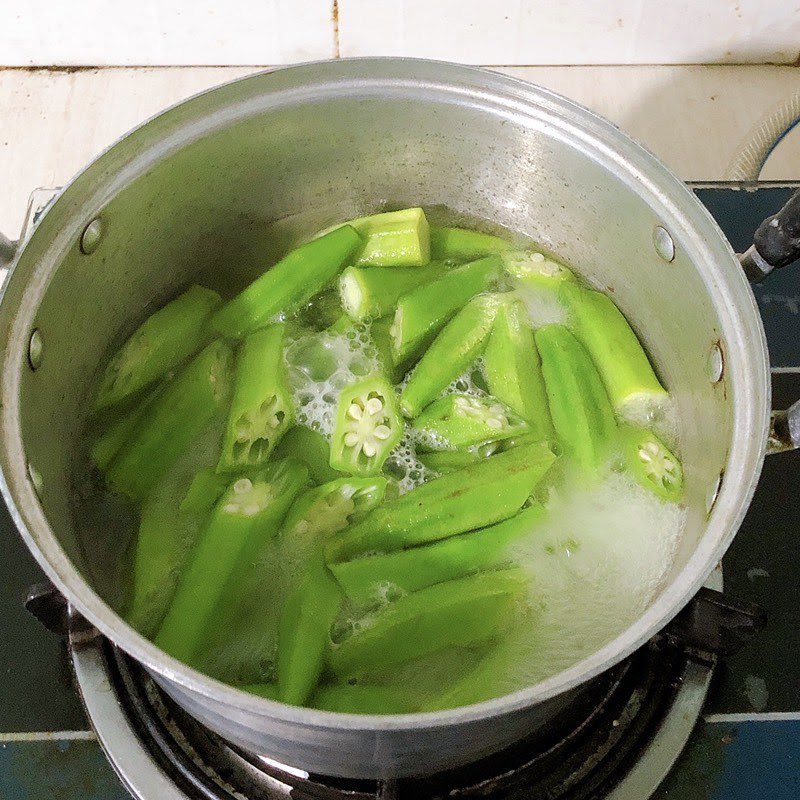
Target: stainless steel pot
212	188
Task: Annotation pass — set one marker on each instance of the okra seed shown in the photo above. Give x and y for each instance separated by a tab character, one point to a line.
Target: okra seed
369	448
382	432
351	438
374	406
242	485
355	411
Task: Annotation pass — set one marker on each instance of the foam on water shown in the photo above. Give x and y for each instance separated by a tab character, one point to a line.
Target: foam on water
543	306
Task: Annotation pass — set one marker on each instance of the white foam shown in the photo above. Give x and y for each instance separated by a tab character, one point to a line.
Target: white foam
543	306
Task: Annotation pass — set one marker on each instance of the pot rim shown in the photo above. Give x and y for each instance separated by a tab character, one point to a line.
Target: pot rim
746	364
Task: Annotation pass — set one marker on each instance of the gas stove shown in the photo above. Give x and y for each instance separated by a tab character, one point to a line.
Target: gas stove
672	722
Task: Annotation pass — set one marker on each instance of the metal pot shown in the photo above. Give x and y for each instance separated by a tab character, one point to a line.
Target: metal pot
215	186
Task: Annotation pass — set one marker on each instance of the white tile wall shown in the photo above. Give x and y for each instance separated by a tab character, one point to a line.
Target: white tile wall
510	32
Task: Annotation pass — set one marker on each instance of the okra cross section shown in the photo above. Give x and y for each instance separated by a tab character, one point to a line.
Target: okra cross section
457	421
291	283
162	342
652	463
368	426
478	495
614	347
366	579
582	415
513	368
454	349
462	612
261	409
248	514
424	311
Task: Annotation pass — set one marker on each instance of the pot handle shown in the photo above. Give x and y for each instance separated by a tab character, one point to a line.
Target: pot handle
776	242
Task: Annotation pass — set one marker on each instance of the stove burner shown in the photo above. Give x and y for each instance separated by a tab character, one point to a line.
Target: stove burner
586	758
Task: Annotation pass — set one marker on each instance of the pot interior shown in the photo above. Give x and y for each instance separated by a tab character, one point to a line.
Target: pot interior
219	188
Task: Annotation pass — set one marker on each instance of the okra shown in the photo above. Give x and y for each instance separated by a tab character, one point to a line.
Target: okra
394	239
460	342
448	460
161	343
462	612
458	421
205	489
622	362
321	311
461	244
177	415
309	611
310	447
513	368
366	580
291	283
536	270
368	426
346	698
422	313
319	512
168	533
269	691
248	514
261	408
582	415
651	463
477	495
382	341
375	291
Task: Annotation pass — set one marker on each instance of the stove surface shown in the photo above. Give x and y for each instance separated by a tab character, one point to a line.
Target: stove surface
747	745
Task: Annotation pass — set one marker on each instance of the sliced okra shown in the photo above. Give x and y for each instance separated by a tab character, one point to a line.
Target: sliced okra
461	612
622	362
346	698
480	494
162	342
368	426
261	408
382	341
442	461
536	270
205	489
460	342
287	286
458	421
462	244
651	463
310	447
422	313
175	417
582	415
248	514
394	239
375	291
366	580
513	368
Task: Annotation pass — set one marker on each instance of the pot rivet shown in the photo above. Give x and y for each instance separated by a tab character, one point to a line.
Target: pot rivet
716	363
662	241
713	492
36	479
35	348
92	235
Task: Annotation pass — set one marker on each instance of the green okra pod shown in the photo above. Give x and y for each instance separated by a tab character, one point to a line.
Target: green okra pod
536	270
373	292
268	691
205	489
619	357
322	310
513	368
309	611
462	244
459	421
248	514
422	313
368	426
161	343
449	460
293	281
346	698
175	417
477	495
393	239
366	580
582	415
651	463
261	408
462	612
460	342
310	447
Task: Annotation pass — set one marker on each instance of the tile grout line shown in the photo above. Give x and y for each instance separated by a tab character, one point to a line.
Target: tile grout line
46	736
768	716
